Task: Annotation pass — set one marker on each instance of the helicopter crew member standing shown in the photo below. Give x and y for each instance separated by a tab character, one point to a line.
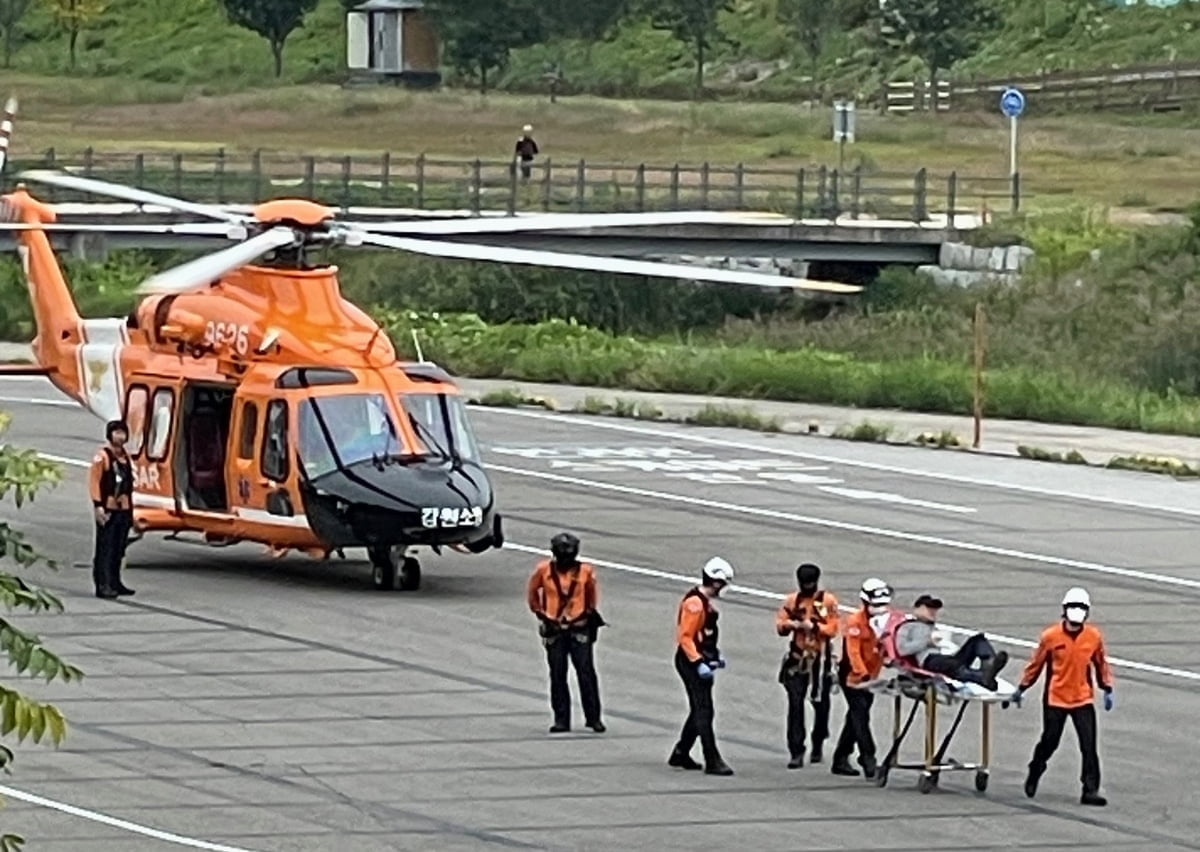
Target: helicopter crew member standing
110	481
697	658
1070	651
862	661
562	593
810	617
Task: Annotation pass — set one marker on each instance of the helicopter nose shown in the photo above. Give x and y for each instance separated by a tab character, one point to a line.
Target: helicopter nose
416	504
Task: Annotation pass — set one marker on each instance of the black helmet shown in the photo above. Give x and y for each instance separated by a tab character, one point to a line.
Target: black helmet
808	574
565	548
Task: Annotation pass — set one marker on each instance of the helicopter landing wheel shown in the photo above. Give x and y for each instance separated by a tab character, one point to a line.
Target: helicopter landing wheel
410	575
383	570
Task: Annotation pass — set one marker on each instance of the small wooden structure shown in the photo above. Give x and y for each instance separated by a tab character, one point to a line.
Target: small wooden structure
393	40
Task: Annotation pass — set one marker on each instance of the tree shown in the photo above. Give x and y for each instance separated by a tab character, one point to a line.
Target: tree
274	20
22	473
587	20
693	22
74	16
939	32
11	12
479	34
812	21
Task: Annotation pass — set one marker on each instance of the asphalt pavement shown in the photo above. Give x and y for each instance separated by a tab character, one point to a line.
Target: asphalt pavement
243	703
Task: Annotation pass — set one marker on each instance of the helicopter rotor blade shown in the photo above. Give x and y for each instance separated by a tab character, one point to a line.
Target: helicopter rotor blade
230	231
128	193
563	260
201	272
566	221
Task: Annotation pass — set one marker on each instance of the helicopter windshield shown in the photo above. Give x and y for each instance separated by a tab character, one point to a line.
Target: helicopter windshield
441	424
344	430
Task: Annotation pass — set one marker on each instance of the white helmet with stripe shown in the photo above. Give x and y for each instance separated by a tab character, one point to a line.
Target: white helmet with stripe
1076	604
875	592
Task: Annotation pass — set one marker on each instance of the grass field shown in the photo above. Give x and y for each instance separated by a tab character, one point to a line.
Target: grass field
1132	162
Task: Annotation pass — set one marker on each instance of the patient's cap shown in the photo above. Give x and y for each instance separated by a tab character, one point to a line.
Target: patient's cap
929	601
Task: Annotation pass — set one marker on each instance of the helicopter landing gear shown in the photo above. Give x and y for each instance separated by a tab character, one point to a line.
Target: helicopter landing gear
391	569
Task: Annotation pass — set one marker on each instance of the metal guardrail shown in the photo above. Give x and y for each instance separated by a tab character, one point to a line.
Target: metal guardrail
429	183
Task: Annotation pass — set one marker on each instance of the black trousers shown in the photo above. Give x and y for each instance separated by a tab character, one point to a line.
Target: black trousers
573	649
804	684
699	723
111	539
1054	719
856	731
958	664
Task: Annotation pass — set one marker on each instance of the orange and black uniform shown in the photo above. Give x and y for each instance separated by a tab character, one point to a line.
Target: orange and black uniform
110	482
696	636
862	660
566	601
1070	658
807	669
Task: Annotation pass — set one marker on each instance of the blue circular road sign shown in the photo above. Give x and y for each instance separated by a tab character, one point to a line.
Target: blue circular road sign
1012	102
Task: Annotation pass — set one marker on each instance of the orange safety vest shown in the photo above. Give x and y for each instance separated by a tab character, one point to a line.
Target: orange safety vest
888	640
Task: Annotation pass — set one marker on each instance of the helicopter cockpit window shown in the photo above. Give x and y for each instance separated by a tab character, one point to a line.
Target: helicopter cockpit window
349	428
440	421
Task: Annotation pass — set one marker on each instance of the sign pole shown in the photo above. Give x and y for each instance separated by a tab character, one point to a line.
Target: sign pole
980	347
1012	104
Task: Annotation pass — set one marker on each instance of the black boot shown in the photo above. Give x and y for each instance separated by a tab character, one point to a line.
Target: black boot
1092	799
122	589
991	667
717	767
1031	782
797	761
868	767
106	593
841	766
682	761
816	756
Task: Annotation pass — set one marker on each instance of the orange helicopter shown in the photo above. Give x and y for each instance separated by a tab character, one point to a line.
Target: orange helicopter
263	406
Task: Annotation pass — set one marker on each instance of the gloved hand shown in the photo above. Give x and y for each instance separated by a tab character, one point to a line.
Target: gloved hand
704	671
721	662
1110	700
1018	695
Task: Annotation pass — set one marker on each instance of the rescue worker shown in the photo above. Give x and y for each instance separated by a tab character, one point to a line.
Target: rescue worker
697	657
110	482
1071	650
810	617
914	643
862	661
525	150
568	624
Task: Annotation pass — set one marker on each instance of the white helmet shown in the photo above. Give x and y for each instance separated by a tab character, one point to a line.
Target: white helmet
528	128
875	592
718	569
1076	604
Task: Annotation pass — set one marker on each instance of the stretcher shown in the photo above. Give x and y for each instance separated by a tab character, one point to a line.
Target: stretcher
930	691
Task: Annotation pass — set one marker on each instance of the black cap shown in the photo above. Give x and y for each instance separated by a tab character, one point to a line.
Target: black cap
808	573
929	601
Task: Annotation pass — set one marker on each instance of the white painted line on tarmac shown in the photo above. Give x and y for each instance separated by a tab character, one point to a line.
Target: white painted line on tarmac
750	591
888	497
882	532
25	400
126	825
600	423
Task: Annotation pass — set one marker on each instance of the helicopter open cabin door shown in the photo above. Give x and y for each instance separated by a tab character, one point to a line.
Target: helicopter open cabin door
149	411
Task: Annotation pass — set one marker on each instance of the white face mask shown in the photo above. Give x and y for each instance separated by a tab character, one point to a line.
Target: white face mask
877	609
1076	614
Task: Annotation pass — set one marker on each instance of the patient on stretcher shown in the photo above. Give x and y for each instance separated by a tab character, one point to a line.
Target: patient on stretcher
914	644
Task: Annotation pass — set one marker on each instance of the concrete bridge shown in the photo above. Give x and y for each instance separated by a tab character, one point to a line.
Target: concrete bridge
735	236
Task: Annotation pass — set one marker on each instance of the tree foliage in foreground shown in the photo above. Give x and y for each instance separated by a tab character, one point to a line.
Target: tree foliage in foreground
22	474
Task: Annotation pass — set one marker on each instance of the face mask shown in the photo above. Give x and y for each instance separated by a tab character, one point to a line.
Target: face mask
1076	614
879	609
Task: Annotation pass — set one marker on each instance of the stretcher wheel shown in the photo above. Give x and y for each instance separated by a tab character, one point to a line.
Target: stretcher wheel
925	783
981	781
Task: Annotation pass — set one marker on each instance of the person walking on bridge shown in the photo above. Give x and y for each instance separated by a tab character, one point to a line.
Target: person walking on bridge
568	624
